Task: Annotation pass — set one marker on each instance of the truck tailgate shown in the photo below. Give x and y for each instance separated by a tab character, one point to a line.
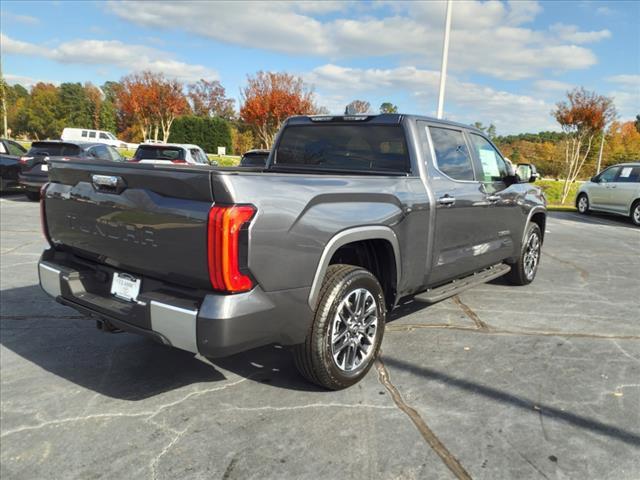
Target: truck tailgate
153	222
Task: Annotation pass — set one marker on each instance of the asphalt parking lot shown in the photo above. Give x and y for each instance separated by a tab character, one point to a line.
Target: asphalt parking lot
499	382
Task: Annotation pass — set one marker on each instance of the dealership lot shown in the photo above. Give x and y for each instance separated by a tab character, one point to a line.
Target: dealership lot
499	382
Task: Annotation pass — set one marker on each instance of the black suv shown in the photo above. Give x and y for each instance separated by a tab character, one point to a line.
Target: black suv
34	166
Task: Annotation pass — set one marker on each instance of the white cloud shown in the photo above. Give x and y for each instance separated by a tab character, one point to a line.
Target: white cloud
110	52
554	86
626	94
25	81
487	37
570	33
24	19
510	112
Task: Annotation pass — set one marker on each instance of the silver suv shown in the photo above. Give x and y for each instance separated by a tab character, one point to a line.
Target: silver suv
615	190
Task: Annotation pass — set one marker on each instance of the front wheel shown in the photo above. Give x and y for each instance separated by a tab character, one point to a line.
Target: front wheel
635	213
524	270
346	333
583	203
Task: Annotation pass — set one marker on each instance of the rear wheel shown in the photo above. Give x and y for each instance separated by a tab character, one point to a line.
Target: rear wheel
33	196
347	329
583	203
524	270
635	213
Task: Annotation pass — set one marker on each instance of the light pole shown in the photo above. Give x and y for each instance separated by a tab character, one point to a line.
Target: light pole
600	154
4	103
445	55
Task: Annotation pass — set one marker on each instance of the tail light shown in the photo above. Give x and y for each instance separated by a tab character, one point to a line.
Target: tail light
178	161
25	159
43	217
226	247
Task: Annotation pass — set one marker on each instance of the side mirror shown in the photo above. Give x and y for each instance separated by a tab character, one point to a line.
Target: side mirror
595	179
527	173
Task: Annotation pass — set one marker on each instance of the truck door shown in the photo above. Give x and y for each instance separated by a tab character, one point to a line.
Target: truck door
503	218
459	236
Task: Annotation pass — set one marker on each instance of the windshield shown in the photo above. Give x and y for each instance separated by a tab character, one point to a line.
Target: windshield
53	149
348	147
160	152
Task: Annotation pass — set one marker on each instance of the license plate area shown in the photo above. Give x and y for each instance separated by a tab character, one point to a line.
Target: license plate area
125	286
44	167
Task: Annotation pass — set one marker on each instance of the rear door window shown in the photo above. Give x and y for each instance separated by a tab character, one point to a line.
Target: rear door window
629	175
92	134
101	152
84	134
344	147
452	156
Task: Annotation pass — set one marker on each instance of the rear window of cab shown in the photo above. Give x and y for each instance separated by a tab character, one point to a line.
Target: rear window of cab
159	153
53	149
381	148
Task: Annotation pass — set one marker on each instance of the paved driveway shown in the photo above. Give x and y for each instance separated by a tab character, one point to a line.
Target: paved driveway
499	382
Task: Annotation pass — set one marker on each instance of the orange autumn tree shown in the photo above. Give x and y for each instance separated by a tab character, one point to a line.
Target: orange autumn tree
269	98
583	116
152	101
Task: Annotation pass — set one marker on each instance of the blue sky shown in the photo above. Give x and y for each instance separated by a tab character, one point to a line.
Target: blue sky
509	61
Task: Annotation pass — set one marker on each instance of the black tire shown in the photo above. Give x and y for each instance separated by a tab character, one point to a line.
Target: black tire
33	196
582	204
635	213
521	272
315	357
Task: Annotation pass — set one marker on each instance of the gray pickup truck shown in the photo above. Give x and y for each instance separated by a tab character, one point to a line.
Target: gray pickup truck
350	215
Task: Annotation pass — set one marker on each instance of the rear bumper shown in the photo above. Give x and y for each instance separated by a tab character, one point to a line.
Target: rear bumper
33	182
213	325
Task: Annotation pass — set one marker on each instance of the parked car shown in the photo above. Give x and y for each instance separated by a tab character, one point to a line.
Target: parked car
254	158
10	153
353	215
34	165
170	153
614	190
92	136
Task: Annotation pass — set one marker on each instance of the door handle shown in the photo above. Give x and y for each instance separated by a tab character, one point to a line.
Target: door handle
447	200
493	198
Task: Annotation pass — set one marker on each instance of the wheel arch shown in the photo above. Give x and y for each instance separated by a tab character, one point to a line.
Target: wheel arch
373	247
537	215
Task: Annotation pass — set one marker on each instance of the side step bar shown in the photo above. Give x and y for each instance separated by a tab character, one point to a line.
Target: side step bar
450	289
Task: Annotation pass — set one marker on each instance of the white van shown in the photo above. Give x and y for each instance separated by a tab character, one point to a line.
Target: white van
97	136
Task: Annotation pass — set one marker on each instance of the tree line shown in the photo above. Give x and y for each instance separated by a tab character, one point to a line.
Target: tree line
146	105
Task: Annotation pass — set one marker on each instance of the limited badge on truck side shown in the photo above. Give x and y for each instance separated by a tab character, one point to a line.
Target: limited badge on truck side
125	287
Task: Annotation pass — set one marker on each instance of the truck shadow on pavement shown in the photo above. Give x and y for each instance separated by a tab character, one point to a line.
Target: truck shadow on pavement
122	365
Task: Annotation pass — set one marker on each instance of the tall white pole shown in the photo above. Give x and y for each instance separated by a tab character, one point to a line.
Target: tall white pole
600	154
445	55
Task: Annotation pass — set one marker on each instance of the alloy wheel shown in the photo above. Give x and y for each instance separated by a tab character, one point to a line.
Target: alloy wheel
353	330
531	255
583	204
